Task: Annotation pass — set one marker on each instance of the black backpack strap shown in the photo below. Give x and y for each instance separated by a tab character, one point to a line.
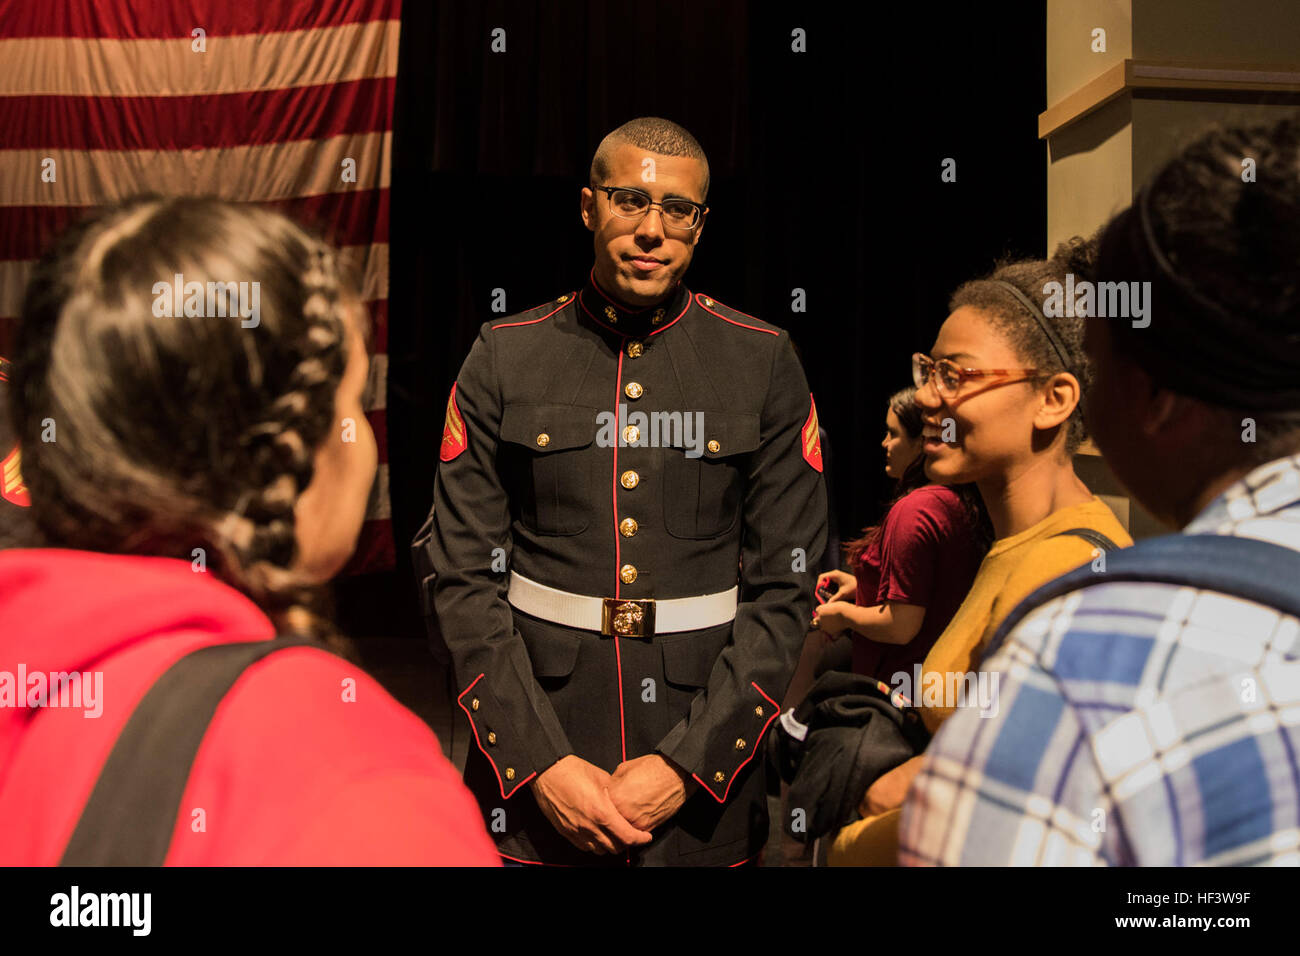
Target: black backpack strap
1094	538
131	813
1246	568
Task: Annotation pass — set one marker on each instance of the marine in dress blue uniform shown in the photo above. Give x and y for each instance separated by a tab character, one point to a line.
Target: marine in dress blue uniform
612	584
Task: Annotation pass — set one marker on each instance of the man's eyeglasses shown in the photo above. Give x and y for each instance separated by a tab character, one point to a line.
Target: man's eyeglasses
948	375
634	204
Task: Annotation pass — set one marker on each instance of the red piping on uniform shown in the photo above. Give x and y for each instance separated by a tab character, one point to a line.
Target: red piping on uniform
515	859
741	863
583	302
474	727
618	552
674	321
506	325
618	556
618	305
698	298
776	709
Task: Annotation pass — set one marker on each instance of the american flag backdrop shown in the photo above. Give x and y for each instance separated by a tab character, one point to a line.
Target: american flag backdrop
284	103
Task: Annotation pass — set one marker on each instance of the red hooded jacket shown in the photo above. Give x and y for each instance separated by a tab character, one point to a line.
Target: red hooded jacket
289	773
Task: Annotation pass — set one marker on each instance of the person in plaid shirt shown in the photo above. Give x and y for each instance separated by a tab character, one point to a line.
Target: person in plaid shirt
1145	723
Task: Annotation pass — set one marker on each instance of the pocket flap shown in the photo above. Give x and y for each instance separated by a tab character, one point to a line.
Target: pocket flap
734	433
689	661
553	653
547	428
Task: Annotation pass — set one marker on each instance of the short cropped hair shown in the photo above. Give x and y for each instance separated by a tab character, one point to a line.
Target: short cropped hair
653	134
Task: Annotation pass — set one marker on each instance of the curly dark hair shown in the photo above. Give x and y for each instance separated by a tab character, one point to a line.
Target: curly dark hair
1228	330
184	432
1010	317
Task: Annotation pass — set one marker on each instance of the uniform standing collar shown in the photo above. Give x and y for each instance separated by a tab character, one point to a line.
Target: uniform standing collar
600	305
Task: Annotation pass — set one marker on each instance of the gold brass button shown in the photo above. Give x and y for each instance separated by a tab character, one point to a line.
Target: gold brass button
610	313
563	299
543	439
719	777
659	316
510	773
631	434
627	574
492	736
629	479
634	349
708	302
758	711
633	389
740	743
627	527
714	446
473	704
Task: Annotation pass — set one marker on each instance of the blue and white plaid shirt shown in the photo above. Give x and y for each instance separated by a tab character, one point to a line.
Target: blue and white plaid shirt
1137	724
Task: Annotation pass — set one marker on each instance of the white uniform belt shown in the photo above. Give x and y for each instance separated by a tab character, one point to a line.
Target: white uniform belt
631	617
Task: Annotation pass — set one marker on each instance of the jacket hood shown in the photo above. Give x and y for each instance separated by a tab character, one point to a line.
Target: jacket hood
65	611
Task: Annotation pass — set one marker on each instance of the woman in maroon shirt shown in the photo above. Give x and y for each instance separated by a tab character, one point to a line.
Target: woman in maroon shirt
912	571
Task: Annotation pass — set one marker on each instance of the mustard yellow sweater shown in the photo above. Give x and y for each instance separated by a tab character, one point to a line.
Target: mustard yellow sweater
1013	569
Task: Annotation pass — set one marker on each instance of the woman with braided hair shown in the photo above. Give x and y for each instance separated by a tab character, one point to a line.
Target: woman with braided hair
187	394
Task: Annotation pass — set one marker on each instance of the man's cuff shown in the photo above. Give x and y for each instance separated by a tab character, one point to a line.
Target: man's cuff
514	760
727	749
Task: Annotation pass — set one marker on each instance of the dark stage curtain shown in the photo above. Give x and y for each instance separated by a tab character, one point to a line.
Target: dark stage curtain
825	177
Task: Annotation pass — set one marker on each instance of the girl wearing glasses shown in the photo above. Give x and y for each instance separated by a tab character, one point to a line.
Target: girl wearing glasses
911	571
1001	397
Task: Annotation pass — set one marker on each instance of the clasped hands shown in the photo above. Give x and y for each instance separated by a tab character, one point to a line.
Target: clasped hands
605	813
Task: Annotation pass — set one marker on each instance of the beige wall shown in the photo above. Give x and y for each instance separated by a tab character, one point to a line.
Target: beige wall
1095	165
1070	60
1162	127
1213	32
1089	172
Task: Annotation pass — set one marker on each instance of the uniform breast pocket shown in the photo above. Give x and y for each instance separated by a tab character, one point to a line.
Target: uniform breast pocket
704	494
547	450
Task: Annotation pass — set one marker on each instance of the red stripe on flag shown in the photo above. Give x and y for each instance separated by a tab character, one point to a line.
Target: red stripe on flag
346	219
379	424
27	231
378	309
167	122
161	19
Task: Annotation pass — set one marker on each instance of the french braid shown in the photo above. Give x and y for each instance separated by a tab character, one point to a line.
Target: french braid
260	530
182	432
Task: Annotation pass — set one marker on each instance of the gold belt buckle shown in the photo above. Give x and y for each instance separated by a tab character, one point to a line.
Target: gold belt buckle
633	618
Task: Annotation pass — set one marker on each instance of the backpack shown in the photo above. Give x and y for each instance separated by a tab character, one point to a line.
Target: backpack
131	813
1245	568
